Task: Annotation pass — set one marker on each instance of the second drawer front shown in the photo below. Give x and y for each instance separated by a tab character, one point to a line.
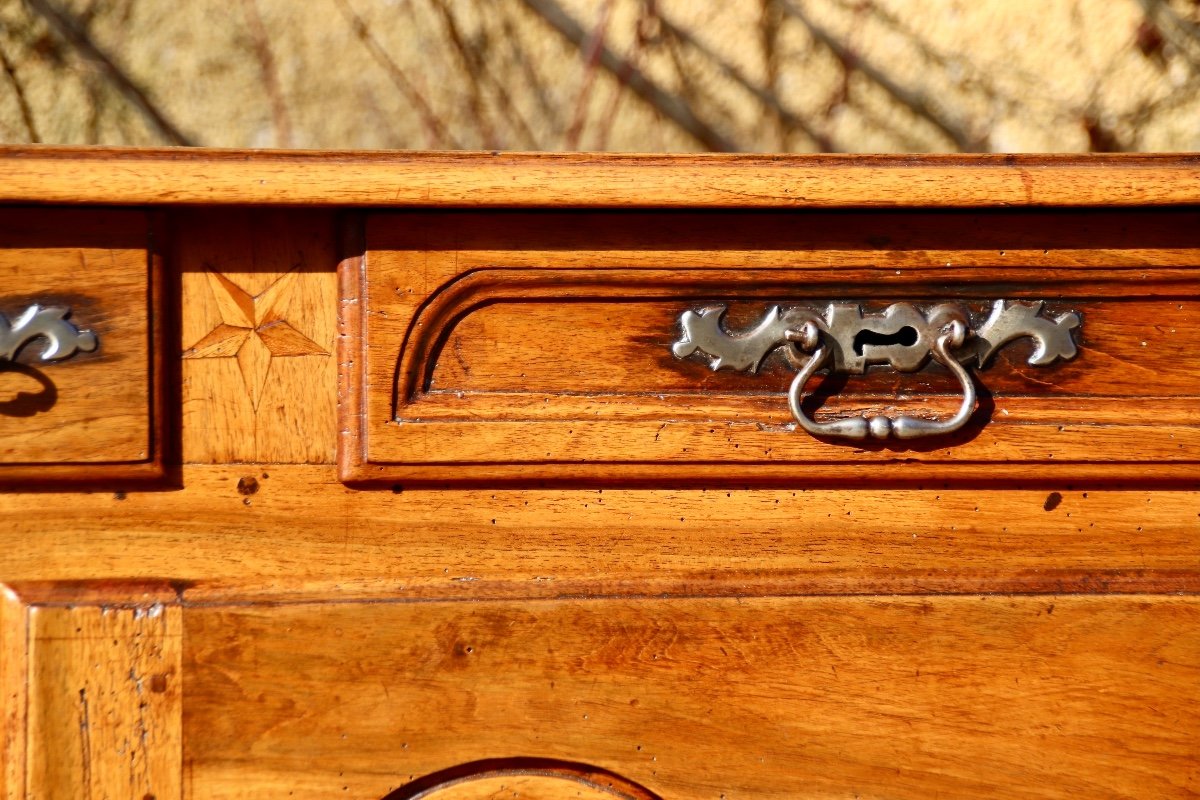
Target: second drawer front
540	345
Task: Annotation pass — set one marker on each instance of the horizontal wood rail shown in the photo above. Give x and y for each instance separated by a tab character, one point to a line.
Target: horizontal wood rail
123	176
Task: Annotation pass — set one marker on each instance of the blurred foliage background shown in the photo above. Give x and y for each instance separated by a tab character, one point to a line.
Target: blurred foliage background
630	75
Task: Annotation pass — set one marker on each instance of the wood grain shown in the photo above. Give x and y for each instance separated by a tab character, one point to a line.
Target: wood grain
535	346
270	533
812	239
531	778
754	697
1129	347
96	415
193	176
104	703
737	627
259	300
520	786
14	643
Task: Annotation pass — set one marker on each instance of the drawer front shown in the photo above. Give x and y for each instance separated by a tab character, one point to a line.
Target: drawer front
543	345
92	411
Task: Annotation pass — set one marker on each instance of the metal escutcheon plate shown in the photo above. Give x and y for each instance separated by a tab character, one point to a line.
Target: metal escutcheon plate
842	339
62	339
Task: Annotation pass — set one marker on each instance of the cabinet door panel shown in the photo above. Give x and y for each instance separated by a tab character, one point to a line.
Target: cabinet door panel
968	696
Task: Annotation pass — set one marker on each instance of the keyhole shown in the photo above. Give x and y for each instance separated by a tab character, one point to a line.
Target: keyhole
906	336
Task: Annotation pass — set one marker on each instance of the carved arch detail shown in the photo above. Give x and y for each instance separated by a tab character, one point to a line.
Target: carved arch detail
600	782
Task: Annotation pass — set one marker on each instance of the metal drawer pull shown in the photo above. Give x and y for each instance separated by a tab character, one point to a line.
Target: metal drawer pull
63	339
844	340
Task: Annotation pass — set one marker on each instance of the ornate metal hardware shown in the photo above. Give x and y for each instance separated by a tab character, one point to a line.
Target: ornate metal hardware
842	339
63	339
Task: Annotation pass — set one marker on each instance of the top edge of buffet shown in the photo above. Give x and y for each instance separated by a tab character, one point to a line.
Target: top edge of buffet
410	179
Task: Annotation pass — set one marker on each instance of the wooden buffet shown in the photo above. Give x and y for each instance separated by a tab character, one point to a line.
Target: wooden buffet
488	475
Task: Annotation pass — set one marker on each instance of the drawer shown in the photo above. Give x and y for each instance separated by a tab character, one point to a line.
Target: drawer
582	345
92	412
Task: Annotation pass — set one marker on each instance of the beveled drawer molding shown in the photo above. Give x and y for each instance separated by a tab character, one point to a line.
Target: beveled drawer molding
538	345
80	347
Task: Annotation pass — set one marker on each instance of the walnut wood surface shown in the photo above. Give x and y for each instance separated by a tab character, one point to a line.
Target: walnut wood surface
257	533
1131	346
192	176
754	697
104	703
14	680
259	306
95	415
536	345
531	778
529	787
1023	634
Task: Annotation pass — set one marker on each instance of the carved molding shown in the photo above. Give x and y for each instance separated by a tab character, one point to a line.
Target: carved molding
429	328
601	782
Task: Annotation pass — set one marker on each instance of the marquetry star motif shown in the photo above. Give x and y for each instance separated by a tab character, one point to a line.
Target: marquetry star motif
253	330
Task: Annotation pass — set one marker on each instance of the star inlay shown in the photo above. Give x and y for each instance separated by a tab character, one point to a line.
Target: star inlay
253	330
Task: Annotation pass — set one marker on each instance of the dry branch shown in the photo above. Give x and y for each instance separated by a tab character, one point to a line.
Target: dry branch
591	58
912	100
69	29
19	92
437	133
1183	35
764	96
266	64
669	105
479	71
474	70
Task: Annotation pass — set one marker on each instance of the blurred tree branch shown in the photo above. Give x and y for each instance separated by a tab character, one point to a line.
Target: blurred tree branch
522	61
438	135
669	105
476	102
19	92
1183	35
609	118
266	62
70	30
911	99
591	50
764	96
473	61
846	75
